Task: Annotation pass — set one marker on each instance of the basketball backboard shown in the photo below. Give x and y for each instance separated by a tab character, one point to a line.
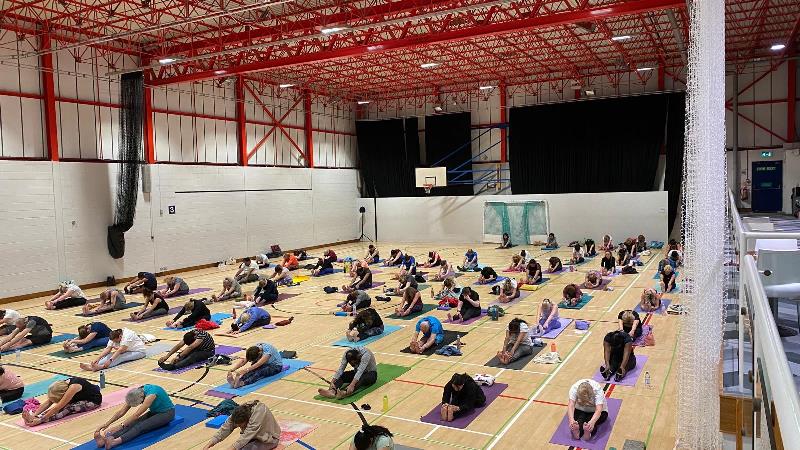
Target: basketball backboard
431	177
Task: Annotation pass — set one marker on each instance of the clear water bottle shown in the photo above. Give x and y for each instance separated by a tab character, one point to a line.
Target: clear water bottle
647	380
102	379
458	341
19	354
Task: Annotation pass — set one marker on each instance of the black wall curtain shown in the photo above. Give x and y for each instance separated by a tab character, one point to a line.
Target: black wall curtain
388	153
446	134
676	131
587	146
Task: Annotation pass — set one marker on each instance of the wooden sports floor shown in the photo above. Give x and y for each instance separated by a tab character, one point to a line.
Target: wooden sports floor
524	416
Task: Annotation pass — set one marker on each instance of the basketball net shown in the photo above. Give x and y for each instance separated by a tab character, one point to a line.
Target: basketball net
427	188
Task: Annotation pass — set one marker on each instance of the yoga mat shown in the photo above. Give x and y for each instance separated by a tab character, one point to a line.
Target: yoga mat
156	349
386	373
387	329
127	305
469	321
677	289
491	393
499	279
217	422
219	350
563	436
165	317
584	300
63	354
630	378
380	261
55	340
512	271
110	400
521	297
552	334
39	388
377	284
185	417
284	296
292	431
515	365
301	278
291	366
603	285
216	317
334	271
662	310
449	338
639	342
657	275
191	292
426	307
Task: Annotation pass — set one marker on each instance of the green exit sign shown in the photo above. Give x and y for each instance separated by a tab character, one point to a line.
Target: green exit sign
766	154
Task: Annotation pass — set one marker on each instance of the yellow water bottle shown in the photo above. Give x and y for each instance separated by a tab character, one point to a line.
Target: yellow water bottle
385	403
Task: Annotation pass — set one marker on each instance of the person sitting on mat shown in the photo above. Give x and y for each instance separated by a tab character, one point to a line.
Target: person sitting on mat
461	396
445	271
65	397
508	290
365	373
29	330
607	264
514	266
469	306
372	437
406	281
124	345
176	286
548	319
195	309
488	275
555	265
630	323
577	255
68	295
281	276
395	257
91	335
623	257
154	305
572	295
412	303
252	317
199	347
518	342
650	300
587	409
323	267
356	300
265	361
618	355
434	259
262	260
593	280
365	324
428	333
408	266
591	250
533	273
266	292
447	296
290	261
260	430
608	244
675	252
552	243
110	300
143	280
11	386
248	271
667	281
8	321
231	289
641	244
470	261
506	241
155	410
362	280
630	246
372	256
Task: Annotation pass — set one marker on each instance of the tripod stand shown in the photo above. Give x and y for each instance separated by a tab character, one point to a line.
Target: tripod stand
363	236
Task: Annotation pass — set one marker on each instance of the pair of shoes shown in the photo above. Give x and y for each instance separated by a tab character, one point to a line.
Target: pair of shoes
606	373
676	309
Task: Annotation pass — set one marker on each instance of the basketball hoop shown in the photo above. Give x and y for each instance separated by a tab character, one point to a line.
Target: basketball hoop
427	188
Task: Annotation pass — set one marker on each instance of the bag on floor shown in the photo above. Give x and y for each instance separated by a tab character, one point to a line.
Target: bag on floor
483	379
628	270
330	289
225	408
218	360
31	404
204	324
495	312
419	278
148	338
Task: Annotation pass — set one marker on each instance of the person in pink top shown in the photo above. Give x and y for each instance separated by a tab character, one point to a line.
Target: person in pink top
11	386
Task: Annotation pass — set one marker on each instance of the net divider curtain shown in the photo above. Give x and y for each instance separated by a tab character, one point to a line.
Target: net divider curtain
524	221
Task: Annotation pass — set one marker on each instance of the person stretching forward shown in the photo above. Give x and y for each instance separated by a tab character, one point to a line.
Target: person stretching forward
364	375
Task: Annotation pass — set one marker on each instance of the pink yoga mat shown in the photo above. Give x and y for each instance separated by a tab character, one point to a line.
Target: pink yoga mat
562	436
630	378
491	392
552	334
109	401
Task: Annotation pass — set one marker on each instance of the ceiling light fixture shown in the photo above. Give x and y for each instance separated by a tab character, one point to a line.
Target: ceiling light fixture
167	60
429	65
623	37
363	102
285	85
776	47
220	72
644	69
332	30
486	88
590	92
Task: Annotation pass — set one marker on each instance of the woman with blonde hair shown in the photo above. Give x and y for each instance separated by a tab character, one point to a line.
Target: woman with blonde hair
110	300
630	323
650	300
547	318
509	290
195	309
587	409
68	295
517	264
176	286
65	397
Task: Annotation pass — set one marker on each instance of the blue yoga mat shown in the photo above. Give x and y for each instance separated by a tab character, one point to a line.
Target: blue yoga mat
40	387
677	289
185	417
294	366
56	339
657	275
216	317
387	329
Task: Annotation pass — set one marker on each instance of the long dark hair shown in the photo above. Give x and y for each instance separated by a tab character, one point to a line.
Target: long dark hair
513	326
368	434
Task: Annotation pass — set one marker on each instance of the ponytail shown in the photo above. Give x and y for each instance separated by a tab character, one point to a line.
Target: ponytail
368	435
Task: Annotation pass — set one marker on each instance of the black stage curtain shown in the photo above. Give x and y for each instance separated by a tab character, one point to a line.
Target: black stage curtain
673	176
388	153
446	134
587	146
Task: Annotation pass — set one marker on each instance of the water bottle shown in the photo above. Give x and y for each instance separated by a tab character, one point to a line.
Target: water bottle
553	347
102	379
385	403
647	380
458	341
19	354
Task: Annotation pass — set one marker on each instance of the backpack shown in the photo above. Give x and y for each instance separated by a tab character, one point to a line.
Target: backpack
419	278
218	360
225	408
495	312
627	270
330	289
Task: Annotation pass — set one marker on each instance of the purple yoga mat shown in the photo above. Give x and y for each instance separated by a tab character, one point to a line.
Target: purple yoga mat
192	292
468	321
664	305
630	378
491	392
499	279
220	350
603	285
552	334
285	296
562	436
646	329
225	395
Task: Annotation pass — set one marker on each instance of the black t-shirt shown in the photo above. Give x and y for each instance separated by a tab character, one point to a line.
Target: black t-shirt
162	304
150	280
618	352
608	263
635	317
488	272
88	393
466	305
470	394
38	326
365	320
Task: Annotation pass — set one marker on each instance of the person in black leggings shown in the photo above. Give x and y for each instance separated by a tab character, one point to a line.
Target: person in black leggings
618	355
11	386
469	306
461	396
587	409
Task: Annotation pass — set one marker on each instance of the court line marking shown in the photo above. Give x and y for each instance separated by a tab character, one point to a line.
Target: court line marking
17	427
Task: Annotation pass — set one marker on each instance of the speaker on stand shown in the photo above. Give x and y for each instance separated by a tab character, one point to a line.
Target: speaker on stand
363	236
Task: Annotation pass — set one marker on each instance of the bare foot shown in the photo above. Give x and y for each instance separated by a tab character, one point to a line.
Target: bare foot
327	393
87	367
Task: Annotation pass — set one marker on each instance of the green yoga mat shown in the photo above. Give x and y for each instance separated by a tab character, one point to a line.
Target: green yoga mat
386	373
425	309
63	354
584	300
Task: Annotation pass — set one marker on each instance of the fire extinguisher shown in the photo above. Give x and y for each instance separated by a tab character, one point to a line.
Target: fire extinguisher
744	192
